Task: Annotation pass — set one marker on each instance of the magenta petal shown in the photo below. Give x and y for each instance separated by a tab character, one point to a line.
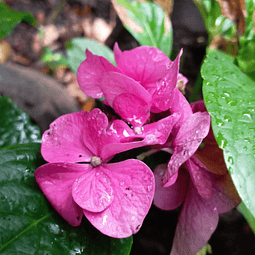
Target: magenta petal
200	178
120	129
64	140
171	197
90	72
115	84
144	64
183	78
93	191
56	180
181	105
224	201
95	135
117	52
162	98
158	132
197	221
132	108
187	141
151	134
133	185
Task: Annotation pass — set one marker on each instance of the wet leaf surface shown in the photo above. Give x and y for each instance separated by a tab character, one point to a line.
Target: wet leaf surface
9	19
229	98
147	22
28	223
16	126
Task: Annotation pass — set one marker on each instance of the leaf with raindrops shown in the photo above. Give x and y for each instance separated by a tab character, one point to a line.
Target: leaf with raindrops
30	225
229	97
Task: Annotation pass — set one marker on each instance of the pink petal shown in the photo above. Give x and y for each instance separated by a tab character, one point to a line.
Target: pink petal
197	221
144	64
171	197
133	186
200	178
183	78
56	180
64	140
224	194
199	106
162	98
180	105
90	72
95	135
132	108
118	85
187	141
121	129
93	191
150	134
159	131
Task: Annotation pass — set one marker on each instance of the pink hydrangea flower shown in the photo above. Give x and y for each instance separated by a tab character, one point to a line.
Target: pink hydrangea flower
142	82
114	197
186	137
203	193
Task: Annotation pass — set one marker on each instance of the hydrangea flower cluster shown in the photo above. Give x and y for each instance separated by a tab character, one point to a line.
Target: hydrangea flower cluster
80	178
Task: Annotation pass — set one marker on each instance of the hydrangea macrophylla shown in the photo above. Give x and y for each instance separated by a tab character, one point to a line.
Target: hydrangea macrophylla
141	83
186	137
115	197
203	192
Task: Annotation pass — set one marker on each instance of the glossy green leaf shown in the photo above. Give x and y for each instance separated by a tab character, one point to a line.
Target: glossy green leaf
148	23
10	18
76	51
28	223
16	126
230	99
246	54
247	215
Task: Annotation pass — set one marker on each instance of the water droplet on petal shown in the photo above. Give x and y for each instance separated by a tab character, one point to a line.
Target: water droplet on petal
122	184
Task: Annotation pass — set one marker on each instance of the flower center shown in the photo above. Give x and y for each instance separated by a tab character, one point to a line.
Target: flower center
96	161
138	130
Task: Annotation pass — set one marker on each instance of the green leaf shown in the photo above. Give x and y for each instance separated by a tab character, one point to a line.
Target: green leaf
248	216
9	19
230	99
246	54
207	249
148	23
28	223
76	51
54	60
15	126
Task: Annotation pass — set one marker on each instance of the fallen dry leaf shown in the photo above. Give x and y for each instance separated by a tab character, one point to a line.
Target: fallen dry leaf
5	50
233	10
50	34
101	30
167	5
124	17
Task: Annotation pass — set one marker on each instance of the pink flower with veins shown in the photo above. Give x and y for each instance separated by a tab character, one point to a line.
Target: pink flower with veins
114	197
142	82
203	189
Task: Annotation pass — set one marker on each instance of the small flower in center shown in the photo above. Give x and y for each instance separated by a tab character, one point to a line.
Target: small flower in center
138	130
96	161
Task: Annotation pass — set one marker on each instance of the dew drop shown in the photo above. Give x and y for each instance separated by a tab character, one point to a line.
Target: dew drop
149	188
231	160
122	184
